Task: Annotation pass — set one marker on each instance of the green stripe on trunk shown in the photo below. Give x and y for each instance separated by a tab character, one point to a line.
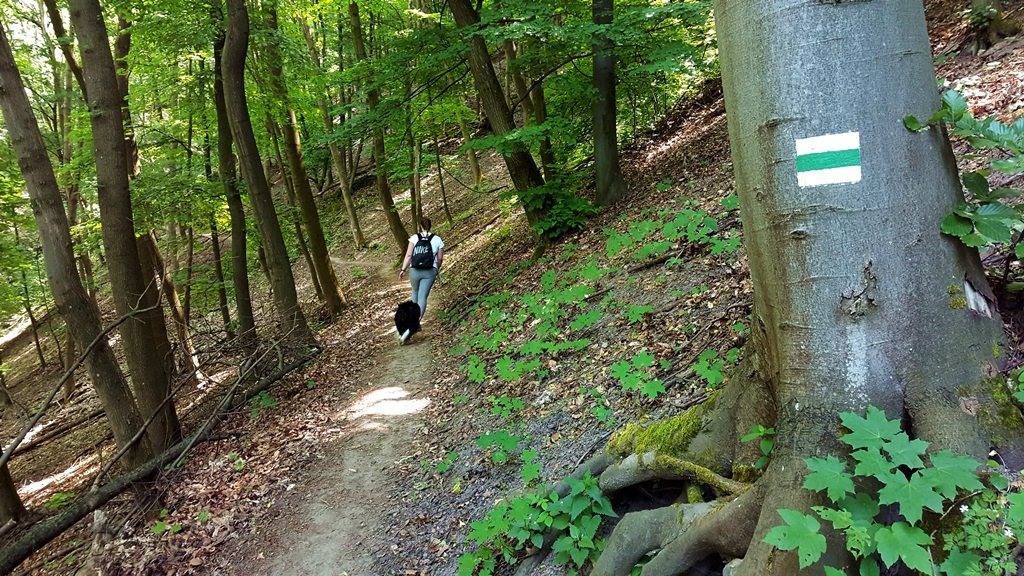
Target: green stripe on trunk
826	160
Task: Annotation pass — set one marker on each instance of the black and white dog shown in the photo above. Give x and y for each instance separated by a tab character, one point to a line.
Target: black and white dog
407	320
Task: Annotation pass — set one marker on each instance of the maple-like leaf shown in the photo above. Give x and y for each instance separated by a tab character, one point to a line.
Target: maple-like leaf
904	542
829	474
871	431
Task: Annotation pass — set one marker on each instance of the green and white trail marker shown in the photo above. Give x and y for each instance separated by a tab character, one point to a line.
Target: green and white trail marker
828	159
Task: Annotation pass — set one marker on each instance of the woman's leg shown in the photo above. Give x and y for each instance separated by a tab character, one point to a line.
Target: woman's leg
414	283
423	280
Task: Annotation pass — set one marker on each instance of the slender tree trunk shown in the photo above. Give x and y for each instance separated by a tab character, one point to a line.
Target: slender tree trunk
218	275
155	266
547	151
229	177
440	180
190	256
609	185
73	303
289	187
292	320
398	230
521	167
26	303
149	377
322	265
474	163
337	157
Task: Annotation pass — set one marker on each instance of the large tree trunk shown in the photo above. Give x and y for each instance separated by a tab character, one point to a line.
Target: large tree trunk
322	264
292	320
228	176
149	252
609	185
148	374
11	508
398	231
73	303
841	320
521	167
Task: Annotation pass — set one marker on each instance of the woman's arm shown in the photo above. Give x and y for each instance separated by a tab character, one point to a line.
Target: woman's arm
405	264
440	257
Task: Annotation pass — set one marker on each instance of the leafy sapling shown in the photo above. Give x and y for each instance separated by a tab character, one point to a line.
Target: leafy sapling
766	441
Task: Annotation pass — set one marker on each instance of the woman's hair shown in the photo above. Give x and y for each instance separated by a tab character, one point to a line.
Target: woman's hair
425	224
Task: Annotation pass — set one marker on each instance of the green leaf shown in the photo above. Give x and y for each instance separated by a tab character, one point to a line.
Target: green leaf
956	225
905	542
959	563
912	124
975	182
652	388
955	103
913	495
868	567
829	474
871	431
950	472
799	533
871	463
903	451
643	360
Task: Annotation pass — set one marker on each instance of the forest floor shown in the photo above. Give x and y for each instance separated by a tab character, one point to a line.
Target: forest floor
366	462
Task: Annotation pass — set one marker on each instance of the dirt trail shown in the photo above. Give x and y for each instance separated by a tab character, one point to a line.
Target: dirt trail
331	520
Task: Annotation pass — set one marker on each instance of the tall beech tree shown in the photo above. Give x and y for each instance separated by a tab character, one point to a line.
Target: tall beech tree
522	168
609	185
149	376
292	320
322	265
387	202
229	178
841	320
11	507
73	302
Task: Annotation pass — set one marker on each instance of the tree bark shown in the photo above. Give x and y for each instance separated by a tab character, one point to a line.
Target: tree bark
218	275
73	303
521	167
292	320
398	230
149	377
154	262
474	162
11	507
229	177
609	185
322	265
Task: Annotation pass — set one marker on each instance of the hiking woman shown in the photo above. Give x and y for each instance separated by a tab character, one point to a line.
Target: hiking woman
422	260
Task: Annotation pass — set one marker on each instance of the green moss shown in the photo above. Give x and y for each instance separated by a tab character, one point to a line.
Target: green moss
1000	417
693	494
745	473
957	303
671	436
996	349
953	290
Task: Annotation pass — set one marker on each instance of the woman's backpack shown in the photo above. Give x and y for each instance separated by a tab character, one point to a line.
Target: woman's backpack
423	252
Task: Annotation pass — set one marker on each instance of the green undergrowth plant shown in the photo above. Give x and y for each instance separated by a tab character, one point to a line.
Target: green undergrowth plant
765	437
505	405
500	444
600	408
949	521
516	524
712	368
985	219
635	374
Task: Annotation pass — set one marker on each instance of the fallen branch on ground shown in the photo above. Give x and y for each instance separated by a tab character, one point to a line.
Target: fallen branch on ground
43	532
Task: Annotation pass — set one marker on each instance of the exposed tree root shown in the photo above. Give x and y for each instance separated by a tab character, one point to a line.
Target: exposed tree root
682	535
637	468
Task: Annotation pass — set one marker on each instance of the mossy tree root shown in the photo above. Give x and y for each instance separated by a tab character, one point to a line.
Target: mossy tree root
681	536
637	468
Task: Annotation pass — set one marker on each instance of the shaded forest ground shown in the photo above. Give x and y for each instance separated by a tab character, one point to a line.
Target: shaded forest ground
275	465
